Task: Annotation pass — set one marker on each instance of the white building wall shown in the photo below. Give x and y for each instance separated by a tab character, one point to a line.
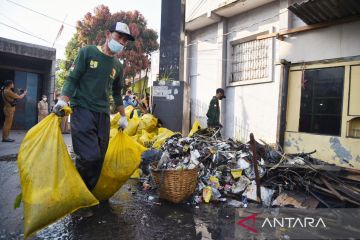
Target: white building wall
254	107
247	108
154	69
333	42
204	70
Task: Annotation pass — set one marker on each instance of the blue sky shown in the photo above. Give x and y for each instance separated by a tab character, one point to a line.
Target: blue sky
45	29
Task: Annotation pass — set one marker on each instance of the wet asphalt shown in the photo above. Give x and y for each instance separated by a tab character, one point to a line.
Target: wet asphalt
130	214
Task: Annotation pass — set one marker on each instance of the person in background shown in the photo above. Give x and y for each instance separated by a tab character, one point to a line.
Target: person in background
43	108
9	98
213	114
145	103
95	74
129	99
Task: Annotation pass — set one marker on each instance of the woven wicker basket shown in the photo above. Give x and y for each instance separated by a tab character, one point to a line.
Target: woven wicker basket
174	185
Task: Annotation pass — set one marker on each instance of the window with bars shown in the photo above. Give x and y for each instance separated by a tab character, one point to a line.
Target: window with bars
250	60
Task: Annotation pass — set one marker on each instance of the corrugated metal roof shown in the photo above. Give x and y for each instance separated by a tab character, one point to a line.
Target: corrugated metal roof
317	11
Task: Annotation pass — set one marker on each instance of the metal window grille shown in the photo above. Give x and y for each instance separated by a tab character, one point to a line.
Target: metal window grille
250	60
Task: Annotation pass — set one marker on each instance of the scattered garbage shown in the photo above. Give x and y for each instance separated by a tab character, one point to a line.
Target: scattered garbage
266	193
227	171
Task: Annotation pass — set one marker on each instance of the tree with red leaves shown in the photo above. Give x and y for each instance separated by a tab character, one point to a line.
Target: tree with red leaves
91	30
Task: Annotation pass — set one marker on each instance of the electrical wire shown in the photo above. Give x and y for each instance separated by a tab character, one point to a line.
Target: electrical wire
196	8
25	32
9	19
42	14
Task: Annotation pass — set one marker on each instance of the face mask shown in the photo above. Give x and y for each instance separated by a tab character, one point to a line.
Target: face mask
114	46
44	99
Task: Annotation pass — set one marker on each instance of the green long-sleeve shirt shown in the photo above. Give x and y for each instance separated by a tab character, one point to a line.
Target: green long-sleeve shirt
213	113
92	78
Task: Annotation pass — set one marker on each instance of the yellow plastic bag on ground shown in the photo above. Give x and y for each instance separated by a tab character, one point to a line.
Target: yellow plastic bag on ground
160	139
136	174
51	185
146	138
195	127
128	111
148	122
132	125
122	158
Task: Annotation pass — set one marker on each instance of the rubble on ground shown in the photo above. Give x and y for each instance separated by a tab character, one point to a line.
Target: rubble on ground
226	173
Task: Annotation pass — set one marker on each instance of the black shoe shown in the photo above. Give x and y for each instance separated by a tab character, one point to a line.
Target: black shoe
8	140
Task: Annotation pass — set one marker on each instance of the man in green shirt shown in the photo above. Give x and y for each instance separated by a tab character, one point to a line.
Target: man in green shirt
213	114
93	76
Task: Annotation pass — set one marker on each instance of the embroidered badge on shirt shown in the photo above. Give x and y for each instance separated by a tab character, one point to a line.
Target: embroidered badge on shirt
113	73
94	64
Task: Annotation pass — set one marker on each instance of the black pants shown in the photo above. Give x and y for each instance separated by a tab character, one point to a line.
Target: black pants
90	138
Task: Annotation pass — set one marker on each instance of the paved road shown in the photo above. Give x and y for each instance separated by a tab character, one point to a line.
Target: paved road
128	215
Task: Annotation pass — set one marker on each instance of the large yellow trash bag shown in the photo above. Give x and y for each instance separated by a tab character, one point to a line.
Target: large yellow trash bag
114	120
160	139
132	125
148	122
122	158
128	111
51	185
195	127
146	138
114	125
136	174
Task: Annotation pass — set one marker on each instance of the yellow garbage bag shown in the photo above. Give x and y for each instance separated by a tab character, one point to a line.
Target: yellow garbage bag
122	158
148	122
128	111
132	125
146	138
160	139
136	174
195	127
114	120
51	185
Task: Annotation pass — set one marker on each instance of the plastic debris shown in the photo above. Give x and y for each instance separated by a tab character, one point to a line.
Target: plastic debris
240	185
206	193
266	193
235	203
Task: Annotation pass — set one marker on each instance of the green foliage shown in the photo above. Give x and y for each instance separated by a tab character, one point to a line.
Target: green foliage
71	51
91	30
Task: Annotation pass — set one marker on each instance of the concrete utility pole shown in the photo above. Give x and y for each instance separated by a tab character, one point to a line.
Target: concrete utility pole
171	39
171	102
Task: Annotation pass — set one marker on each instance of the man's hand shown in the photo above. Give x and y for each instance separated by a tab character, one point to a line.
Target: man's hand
123	122
59	107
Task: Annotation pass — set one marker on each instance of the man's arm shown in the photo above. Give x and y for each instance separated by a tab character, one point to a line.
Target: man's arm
116	93
10	94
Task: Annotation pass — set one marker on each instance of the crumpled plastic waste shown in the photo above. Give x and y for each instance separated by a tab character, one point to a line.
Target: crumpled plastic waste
225	166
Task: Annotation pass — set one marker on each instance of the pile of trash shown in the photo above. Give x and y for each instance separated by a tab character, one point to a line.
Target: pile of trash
228	173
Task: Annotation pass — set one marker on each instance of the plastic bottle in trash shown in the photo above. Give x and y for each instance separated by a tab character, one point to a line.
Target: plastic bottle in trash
244	200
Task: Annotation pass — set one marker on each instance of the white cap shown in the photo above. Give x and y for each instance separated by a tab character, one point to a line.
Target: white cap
123	29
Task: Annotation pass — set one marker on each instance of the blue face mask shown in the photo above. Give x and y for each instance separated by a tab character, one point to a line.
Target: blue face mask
114	46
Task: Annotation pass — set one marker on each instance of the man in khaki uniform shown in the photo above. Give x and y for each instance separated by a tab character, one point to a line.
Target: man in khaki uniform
43	108
9	98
